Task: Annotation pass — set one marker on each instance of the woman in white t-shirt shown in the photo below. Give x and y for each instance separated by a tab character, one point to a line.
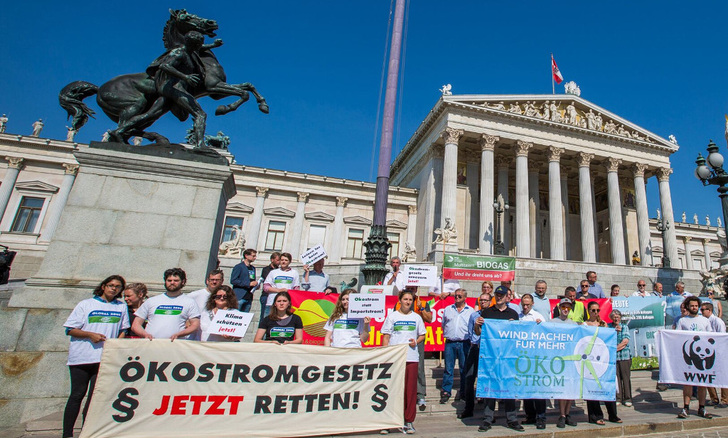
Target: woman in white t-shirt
91	322
223	299
343	332
404	326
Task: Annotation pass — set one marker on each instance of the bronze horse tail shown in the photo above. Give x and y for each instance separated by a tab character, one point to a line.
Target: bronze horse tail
71	99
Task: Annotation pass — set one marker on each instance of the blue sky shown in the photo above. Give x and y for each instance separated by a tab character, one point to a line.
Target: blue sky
661	65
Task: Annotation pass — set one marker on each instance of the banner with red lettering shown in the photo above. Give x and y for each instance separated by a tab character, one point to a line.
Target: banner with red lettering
230	389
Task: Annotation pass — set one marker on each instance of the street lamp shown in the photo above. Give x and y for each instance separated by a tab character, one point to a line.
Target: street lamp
661	227
500	207
714	174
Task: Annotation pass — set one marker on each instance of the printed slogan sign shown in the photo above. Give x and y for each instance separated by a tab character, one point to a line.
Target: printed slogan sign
478	268
363	305
147	388
526	360
312	255
420	275
230	322
693	358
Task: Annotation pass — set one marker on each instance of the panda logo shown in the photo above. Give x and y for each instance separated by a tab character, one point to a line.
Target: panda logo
700	353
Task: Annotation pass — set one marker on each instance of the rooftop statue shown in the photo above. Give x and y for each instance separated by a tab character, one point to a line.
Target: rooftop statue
185	72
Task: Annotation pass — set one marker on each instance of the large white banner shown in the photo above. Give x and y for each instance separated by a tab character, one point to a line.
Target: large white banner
693	358
230	389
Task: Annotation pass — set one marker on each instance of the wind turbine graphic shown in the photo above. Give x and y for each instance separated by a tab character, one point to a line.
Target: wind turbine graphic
587	353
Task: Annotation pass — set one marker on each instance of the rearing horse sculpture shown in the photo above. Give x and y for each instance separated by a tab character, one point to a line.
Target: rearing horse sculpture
132	100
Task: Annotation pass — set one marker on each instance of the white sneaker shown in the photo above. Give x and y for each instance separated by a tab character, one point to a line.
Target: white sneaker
421	404
384	432
409	428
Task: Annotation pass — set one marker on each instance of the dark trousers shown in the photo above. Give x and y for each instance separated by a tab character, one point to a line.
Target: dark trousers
594	410
510	406
471	373
83	379
410	391
535	409
623	380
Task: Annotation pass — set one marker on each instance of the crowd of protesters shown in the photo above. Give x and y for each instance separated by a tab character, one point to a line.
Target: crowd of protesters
175	315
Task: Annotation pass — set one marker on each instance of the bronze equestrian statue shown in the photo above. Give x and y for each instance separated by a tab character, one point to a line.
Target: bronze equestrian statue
187	71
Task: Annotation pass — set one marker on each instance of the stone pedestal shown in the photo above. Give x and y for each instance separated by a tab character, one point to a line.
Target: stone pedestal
131	211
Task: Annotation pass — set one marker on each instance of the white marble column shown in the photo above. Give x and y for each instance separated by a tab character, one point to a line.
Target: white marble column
56	207
411	224
643	219
257	219
565	213
706	255
556	218
533	209
504	226
523	229
339	240
298	221
616	227
450	175
15	164
669	239
486	237
586	211
688	258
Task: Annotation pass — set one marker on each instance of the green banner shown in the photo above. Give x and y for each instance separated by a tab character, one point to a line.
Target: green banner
479	268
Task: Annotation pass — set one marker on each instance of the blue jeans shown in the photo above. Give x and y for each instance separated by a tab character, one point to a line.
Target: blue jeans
455	350
245	305
264	310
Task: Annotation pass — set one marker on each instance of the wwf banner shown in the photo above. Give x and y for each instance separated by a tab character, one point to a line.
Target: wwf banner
229	389
693	358
526	360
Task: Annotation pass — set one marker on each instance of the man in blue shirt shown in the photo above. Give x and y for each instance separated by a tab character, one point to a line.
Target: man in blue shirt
243	280
541	302
594	287
455	320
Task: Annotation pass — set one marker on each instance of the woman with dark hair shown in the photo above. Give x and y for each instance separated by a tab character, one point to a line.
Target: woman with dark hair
594	409
91	322
134	295
223	299
343	332
281	326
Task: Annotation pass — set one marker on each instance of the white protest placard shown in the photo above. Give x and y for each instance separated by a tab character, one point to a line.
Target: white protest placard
378	289
363	305
230	322
312	255
420	275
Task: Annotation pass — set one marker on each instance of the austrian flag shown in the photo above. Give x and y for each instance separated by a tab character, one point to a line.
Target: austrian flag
555	71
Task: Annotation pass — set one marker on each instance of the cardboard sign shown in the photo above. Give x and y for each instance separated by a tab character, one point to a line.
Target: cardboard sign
363	305
378	289
312	255
230	322
420	275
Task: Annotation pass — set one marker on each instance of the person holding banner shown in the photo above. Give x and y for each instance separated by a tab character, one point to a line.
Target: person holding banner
342	332
404	326
535	409
455	331
223	299
92	321
594	409
577	312
565	307
718	326
471	361
694	322
282	326
624	358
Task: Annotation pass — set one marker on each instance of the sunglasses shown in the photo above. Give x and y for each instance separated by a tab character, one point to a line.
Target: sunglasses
584	285
593	310
220	297
640	285
458	296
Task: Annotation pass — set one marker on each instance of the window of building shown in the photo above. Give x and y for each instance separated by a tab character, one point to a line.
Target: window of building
28	213
274	237
394	240
316	235
354	243
230	222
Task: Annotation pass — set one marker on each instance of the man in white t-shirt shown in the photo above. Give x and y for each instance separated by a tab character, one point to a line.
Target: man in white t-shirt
167	314
214	280
396	277
527	313
280	280
693	322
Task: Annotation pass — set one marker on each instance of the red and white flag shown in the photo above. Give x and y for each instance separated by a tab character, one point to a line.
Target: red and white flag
555	71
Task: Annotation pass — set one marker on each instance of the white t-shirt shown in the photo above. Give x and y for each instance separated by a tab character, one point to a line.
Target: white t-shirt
450	286
167	316
279	278
694	324
400	282
401	328
200	298
531	316
98	316
346	332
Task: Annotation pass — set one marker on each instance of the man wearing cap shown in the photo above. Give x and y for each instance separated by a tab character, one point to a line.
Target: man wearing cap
499	311
471	362
455	330
566	307
577	312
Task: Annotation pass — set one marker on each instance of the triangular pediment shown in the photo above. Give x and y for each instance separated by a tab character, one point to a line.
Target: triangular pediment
396	224
357	220
279	211
238	207
571	112
35	186
319	216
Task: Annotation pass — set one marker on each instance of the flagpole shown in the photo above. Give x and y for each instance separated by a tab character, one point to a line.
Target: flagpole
553	87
